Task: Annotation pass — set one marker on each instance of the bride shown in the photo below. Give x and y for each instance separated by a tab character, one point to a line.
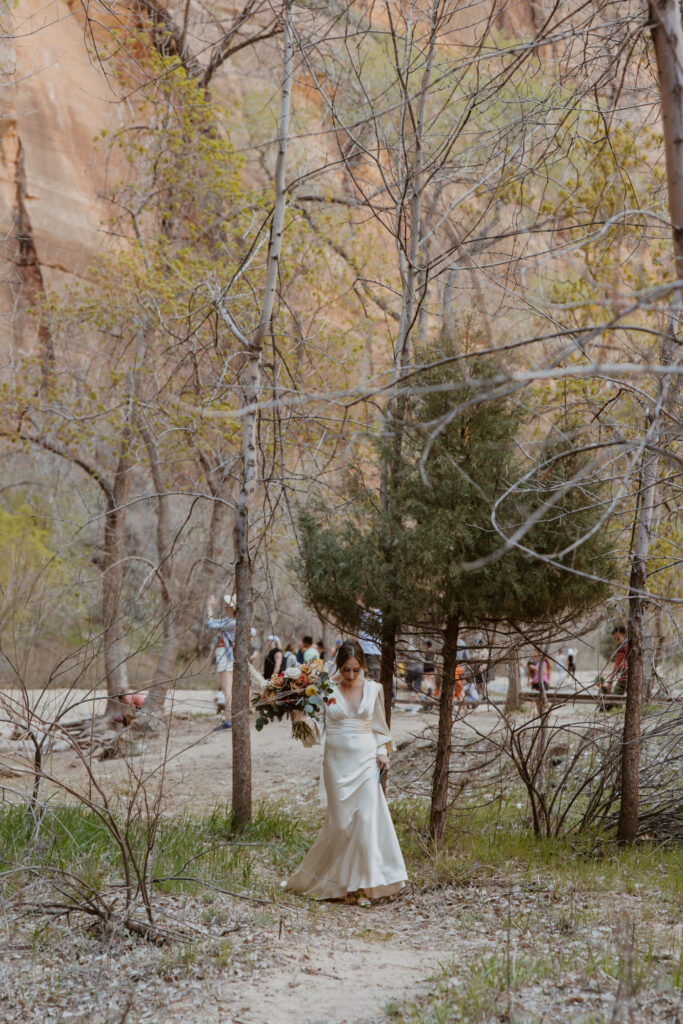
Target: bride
356	856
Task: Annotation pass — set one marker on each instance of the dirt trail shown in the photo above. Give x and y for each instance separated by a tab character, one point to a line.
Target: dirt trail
300	962
197	774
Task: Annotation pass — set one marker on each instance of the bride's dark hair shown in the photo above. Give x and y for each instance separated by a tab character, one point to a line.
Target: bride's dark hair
349	649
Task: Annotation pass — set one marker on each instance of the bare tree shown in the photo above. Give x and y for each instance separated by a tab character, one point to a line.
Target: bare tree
249	386
196	38
667	34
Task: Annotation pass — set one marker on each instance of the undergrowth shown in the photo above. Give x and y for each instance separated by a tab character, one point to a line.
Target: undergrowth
190	853
557	890
495	841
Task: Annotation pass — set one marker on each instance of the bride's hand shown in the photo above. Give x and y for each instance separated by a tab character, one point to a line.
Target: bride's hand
296	715
383	762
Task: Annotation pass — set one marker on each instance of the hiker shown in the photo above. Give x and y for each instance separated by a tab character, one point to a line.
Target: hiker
224	653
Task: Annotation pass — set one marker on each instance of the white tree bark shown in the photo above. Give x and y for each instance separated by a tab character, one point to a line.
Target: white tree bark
667	34
249	387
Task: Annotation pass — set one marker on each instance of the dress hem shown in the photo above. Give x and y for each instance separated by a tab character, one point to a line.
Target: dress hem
375	892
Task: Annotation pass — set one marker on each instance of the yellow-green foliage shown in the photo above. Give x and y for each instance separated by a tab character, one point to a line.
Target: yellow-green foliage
666	550
34	581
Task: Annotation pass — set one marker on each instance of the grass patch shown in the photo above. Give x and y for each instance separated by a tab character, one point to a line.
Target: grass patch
485	842
496	987
558	935
481	843
185	849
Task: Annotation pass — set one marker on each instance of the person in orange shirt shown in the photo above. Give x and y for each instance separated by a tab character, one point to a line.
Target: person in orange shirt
459	682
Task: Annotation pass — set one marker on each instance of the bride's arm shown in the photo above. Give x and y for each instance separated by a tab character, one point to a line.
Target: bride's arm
385	744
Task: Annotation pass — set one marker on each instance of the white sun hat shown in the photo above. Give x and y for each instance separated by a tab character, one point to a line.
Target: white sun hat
230	600
276	638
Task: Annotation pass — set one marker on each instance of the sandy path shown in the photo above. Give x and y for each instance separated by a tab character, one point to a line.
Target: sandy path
198	762
197	759
330	963
296	962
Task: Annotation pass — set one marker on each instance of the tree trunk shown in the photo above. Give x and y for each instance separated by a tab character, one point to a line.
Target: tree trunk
512	699
178	610
667	34
113	621
387	665
407	222
152	713
540	781
249	387
630	748
649	645
437	818
241	690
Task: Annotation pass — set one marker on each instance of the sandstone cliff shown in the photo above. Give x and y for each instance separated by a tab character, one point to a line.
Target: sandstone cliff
56	99
54	103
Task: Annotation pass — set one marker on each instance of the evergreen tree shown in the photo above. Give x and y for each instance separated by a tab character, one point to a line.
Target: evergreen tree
461	460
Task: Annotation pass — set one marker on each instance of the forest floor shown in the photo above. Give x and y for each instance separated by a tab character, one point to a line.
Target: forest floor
497	926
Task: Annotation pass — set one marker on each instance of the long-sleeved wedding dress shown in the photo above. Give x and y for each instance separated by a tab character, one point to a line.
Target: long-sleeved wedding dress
357	849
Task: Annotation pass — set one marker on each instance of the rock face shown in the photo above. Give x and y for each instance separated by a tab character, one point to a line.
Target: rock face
54	103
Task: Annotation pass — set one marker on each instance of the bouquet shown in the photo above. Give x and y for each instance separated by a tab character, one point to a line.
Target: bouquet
305	688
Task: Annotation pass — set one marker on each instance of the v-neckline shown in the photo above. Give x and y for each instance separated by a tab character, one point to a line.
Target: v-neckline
346	703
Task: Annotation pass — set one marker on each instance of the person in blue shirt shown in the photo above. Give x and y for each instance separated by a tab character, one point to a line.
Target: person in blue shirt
224	653
310	651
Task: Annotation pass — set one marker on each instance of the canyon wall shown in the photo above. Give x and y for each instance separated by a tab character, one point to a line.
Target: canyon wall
55	101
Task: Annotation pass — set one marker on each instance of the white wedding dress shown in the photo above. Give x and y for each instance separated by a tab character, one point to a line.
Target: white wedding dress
357	848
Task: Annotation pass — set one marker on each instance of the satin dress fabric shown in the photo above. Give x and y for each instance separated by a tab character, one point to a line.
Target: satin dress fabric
357	849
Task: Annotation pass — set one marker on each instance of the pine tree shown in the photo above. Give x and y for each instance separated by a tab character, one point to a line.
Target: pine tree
461	460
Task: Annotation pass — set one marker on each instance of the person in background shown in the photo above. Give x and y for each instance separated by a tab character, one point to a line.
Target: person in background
273	661
471	693
310	651
460	680
541	670
566	667
372	652
289	658
224	654
254	649
335	647
414	674
300	652
480	656
571	663
616	681
321	650
429	668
